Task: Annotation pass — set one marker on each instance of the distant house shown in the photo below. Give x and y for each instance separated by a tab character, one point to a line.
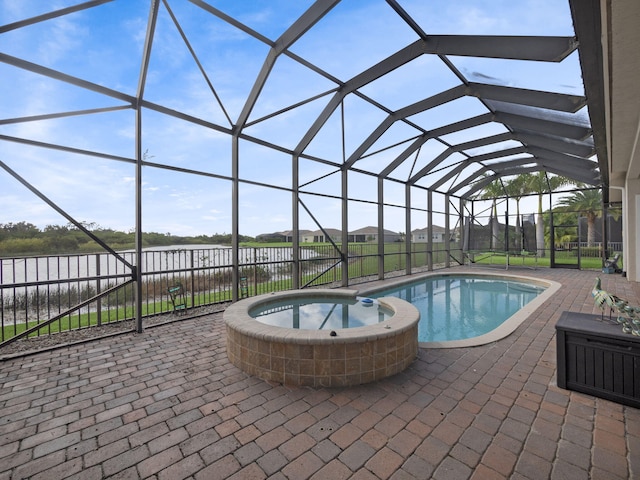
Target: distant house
422	235
362	235
319	236
307	237
302	234
370	234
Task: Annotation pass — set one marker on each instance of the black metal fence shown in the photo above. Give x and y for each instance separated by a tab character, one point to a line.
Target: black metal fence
49	294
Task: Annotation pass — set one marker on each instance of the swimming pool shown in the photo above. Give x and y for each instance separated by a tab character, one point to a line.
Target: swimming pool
469	309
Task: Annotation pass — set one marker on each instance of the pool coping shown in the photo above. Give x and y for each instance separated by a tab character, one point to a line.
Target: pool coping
503	330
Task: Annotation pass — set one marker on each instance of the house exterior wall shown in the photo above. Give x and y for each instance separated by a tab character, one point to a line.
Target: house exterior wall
423	237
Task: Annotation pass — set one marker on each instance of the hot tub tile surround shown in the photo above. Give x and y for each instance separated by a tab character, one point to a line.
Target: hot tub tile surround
313	357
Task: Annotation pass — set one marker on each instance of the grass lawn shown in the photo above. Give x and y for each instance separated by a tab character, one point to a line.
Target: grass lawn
489	258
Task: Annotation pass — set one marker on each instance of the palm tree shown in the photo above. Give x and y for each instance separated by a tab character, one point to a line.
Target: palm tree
542	183
516	188
588	203
490	192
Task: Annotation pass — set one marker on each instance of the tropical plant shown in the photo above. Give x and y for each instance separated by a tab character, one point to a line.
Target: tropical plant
562	234
587	203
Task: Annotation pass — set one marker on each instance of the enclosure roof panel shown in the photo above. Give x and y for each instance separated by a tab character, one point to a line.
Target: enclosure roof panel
371	79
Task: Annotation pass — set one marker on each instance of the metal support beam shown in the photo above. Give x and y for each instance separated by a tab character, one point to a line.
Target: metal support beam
380	228
447	232
587	22
235	216
480	158
564	159
407	228
520	122
429	230
313	15
380	69
479	185
543	49
549	49
142	80
578	148
421	106
295	218
499	167
345	228
63	77
533	98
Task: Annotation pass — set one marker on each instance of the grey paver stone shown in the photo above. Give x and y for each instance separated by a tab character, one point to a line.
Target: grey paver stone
452	469
384	463
63	470
174	437
326	450
102	454
125	460
297	445
248	453
250	472
219	449
148	434
59	443
159	461
272	462
185	468
199	441
563	470
32	467
356	455
303	466
335	470
417	467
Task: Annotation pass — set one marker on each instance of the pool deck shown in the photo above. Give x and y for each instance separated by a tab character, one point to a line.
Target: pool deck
167	404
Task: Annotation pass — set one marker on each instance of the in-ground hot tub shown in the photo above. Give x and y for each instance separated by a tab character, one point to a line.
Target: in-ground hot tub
330	357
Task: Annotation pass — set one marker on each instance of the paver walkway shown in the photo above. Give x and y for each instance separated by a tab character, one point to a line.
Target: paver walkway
167	404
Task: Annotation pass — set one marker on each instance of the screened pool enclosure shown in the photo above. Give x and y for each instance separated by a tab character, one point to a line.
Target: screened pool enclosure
248	117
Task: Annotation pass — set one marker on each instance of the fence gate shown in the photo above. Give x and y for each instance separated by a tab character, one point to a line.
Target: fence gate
565	254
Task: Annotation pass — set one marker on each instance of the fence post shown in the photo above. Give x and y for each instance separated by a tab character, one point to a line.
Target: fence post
259	254
193	281
98	290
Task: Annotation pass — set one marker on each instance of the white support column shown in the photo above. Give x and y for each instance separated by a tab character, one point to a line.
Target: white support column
631	229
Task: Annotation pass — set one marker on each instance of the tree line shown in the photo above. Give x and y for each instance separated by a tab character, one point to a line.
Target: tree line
23	238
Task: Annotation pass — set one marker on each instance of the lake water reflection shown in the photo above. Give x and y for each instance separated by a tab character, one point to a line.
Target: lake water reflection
155	261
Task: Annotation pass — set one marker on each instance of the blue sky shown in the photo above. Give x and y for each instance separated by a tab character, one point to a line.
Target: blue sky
103	45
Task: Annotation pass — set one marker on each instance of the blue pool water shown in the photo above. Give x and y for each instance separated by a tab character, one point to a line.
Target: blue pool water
462	307
321	313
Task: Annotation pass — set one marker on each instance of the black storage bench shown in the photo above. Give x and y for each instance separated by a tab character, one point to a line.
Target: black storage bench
597	358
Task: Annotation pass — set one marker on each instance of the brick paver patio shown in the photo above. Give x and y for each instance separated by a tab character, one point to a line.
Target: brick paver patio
167	404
